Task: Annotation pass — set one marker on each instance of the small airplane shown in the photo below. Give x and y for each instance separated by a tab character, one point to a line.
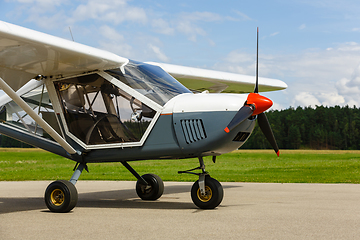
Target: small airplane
91	106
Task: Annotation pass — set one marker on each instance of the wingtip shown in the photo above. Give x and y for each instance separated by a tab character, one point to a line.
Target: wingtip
227	130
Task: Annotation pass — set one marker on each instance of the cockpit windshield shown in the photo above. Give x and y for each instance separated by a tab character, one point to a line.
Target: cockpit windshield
149	80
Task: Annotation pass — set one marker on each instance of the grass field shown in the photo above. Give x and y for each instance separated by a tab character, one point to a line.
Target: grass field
293	166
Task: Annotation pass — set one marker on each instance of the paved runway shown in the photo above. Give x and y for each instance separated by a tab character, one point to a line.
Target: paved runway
112	210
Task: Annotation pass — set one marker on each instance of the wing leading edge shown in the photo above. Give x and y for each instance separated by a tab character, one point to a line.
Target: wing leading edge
197	79
25	54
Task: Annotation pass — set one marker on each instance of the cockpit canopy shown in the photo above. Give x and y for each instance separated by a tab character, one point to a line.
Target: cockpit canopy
149	80
101	109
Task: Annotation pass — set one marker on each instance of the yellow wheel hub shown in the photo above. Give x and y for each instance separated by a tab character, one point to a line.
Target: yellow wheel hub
207	196
57	197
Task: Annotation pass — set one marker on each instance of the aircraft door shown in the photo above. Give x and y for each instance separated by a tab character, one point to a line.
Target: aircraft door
97	112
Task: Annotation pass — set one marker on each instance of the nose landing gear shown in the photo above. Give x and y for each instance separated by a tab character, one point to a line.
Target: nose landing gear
207	192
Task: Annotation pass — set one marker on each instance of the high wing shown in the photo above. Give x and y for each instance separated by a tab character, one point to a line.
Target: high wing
26	54
198	80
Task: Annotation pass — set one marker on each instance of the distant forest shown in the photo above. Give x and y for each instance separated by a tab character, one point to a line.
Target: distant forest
308	128
320	128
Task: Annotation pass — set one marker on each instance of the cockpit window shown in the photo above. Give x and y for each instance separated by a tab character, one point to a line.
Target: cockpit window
98	112
149	80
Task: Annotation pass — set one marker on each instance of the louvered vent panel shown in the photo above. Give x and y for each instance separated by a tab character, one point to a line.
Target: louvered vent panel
193	130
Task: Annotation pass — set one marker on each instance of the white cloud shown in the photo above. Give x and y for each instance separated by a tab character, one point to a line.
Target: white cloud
276	106
51	14
162	26
239	57
45	13
326	84
212	43
323	76
189	23
122	49
110	33
302	26
47	22
43	2
113	11
60	14
201	16
191	30
306	99
331	99
350	88
243	16
113	41
312	99
159	54
314	77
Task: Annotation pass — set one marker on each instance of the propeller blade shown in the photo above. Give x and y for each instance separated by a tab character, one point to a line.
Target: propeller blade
244	113
266	129
256	105
256	90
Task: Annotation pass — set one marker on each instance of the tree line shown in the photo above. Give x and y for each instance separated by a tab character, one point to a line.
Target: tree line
311	128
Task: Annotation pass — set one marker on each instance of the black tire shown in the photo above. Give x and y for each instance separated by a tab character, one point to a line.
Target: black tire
153	191
213	197
61	196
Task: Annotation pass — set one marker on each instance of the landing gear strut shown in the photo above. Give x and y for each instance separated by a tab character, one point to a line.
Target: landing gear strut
148	186
151	191
61	196
207	192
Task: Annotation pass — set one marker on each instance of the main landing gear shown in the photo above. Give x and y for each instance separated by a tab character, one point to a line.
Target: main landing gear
61	196
207	192
148	186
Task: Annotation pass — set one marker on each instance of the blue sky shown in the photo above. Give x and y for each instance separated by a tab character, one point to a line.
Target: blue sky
311	45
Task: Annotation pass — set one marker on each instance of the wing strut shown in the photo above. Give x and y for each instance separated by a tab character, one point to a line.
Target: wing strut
19	101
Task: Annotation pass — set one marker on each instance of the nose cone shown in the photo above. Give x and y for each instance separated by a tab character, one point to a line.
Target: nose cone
261	103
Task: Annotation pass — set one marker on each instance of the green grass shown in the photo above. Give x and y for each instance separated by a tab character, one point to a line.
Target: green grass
296	166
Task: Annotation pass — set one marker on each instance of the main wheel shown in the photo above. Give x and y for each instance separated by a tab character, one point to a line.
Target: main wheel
61	196
213	194
153	191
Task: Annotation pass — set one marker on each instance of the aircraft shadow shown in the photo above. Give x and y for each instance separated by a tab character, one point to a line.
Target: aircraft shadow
126	198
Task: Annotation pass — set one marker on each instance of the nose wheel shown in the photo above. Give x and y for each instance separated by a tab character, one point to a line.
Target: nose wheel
207	192
212	196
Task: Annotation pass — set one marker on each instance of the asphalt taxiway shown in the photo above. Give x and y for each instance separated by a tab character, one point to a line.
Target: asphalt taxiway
112	210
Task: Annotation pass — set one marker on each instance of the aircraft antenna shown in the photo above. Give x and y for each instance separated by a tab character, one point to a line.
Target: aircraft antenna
71	34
